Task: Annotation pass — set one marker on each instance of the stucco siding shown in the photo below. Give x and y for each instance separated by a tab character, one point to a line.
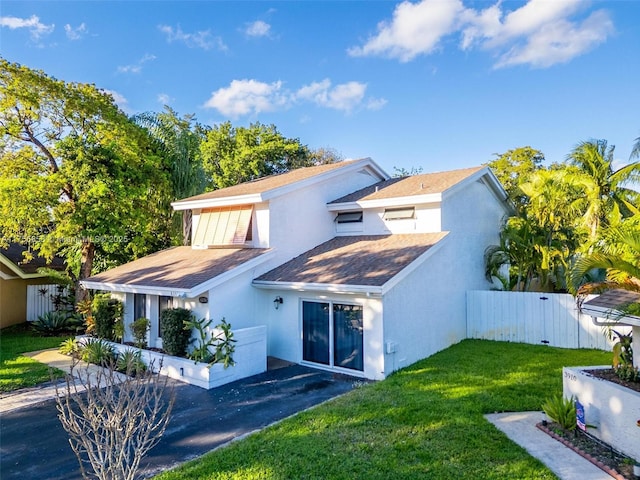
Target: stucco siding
427	220
13	299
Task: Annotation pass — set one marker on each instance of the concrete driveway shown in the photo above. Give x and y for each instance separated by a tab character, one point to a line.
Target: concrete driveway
33	444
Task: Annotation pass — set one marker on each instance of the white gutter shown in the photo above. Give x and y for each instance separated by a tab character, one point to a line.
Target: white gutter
368	290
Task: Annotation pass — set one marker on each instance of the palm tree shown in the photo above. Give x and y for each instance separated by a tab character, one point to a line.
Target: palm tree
619	256
606	191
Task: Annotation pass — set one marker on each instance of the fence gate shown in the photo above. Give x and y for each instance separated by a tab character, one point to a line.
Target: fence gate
535	318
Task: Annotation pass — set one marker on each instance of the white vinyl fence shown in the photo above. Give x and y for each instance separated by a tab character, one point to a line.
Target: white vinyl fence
535	318
40	300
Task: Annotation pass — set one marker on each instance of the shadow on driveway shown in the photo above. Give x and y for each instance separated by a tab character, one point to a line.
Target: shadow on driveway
33	444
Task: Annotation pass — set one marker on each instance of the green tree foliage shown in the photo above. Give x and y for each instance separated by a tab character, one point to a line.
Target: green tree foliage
233	155
178	141
563	214
514	167
77	177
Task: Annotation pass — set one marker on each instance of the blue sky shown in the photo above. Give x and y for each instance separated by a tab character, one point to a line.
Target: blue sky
437	84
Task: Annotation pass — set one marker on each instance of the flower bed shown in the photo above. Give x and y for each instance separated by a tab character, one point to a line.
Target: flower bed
612	411
250	358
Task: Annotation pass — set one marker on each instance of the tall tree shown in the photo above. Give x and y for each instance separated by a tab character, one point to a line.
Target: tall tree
606	190
513	168
77	177
233	155
178	140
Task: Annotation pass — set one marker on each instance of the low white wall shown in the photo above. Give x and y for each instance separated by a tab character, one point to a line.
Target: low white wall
612	409
250	358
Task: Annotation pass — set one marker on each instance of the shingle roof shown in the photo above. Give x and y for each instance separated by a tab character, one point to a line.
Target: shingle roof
370	260
613	299
14	254
425	184
268	183
178	267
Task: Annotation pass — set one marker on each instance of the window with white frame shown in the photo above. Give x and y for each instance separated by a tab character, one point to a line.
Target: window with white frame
403	213
349	217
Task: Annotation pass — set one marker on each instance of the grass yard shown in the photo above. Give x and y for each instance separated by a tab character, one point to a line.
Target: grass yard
16	370
422	422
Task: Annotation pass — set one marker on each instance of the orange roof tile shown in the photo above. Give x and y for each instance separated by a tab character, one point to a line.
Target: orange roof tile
425	184
178	267
370	260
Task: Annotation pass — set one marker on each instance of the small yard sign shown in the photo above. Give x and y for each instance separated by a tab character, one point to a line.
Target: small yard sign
580	417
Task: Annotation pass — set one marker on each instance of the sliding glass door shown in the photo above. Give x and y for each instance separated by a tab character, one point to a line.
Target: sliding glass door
332	334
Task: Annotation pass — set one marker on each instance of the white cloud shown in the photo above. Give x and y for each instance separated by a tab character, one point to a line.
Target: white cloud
244	97
75	33
136	67
416	29
202	39
118	98
36	28
344	97
541	33
164	99
251	97
258	29
559	42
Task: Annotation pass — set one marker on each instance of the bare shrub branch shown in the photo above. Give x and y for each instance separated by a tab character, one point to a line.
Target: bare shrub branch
113	419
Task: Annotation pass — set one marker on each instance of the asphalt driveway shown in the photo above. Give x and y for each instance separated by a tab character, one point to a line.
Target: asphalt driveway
33	444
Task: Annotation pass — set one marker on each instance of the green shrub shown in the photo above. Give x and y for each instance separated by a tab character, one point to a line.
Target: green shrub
139	329
175	337
222	343
51	323
98	351
628	373
562	411
130	363
106	312
69	347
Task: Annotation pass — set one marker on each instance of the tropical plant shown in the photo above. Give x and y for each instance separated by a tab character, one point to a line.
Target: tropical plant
562	411
605	190
55	322
97	351
222	343
130	362
69	347
139	329
622	350
175	337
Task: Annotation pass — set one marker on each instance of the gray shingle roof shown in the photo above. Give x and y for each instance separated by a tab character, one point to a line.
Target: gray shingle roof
370	260
178	267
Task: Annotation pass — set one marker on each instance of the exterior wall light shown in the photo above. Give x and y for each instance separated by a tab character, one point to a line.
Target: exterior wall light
203	299
277	302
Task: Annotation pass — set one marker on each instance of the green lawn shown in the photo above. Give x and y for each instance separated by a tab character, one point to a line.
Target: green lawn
423	422
16	370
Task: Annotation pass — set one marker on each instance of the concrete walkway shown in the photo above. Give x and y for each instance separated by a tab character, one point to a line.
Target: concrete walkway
561	460
31	396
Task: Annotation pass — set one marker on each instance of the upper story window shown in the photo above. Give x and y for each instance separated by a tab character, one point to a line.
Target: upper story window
224	226
403	213
349	217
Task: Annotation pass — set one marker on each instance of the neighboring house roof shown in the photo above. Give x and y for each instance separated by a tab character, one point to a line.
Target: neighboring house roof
610	305
362	261
268	187
178	271
12	257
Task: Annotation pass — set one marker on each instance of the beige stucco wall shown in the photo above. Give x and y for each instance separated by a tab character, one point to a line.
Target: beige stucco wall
13	298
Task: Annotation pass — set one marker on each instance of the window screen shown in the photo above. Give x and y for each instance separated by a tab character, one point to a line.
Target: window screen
399	213
349	217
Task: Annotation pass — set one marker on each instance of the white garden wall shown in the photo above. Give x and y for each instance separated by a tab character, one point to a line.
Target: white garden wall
536	318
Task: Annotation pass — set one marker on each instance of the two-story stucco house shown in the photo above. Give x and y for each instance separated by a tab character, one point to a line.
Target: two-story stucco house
349	269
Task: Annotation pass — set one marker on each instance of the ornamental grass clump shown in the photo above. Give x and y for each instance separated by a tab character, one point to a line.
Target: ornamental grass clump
562	411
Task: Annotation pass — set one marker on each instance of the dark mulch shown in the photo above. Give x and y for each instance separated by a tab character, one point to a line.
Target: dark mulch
610	374
614	463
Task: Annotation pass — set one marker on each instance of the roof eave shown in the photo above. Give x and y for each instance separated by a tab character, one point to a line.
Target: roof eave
18	271
611	315
386	202
181	292
368	290
217	202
